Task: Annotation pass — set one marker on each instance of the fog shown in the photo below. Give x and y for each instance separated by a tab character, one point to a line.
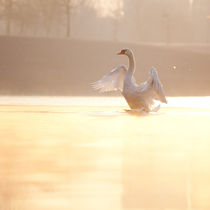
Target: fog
150	21
45	66
64	145
94	155
60	47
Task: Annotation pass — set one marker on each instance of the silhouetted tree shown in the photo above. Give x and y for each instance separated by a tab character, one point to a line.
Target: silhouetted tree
48	13
7	14
67	6
26	15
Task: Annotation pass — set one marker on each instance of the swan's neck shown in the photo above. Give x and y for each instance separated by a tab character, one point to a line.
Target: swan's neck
131	67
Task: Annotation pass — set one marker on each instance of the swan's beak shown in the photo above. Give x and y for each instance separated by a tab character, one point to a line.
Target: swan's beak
122	52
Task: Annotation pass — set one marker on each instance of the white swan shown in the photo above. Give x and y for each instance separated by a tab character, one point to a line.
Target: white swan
139	97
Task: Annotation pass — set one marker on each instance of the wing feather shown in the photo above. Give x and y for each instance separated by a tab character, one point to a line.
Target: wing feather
152	88
111	81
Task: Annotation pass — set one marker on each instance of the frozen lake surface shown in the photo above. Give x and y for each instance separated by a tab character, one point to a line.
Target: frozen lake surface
88	153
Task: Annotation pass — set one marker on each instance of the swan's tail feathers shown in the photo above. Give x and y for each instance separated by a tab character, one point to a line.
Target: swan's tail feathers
156	85
111	81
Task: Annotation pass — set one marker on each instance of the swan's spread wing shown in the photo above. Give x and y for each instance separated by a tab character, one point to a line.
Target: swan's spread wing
152	88
112	80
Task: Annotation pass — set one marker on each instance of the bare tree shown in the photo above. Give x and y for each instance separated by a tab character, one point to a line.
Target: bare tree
67	6
16	13
48	13
30	15
33	15
6	14
26	15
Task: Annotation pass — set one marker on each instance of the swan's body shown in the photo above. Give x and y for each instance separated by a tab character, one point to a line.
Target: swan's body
139	97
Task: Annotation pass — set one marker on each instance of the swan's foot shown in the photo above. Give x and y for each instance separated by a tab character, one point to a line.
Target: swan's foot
141	111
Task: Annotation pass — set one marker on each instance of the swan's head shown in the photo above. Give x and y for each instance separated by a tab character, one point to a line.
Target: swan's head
125	52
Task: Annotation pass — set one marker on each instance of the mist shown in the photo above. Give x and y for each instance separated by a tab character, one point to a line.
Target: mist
65	145
167	35
133	21
43	44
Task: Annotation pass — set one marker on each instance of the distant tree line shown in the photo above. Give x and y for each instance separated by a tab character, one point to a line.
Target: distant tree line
153	21
29	15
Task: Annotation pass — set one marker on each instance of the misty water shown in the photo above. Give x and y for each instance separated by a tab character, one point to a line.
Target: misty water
188	102
88	153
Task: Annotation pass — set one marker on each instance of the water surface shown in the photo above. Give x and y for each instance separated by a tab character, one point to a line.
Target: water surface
88	153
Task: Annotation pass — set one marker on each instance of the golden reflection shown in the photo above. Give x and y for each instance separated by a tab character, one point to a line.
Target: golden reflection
73	157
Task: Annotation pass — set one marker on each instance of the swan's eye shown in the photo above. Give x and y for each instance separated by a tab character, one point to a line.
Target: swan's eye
123	51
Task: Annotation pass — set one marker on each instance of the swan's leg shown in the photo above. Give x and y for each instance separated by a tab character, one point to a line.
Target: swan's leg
142	111
156	108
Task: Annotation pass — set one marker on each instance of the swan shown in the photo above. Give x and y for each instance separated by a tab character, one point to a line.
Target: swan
141	97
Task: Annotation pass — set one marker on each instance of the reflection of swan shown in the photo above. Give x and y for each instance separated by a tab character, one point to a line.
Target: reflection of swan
139	97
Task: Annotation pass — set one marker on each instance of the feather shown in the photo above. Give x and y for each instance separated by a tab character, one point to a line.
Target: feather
111	81
154	87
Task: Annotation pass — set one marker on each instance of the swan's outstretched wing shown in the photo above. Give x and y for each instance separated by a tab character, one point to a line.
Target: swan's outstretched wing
152	88
112	80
